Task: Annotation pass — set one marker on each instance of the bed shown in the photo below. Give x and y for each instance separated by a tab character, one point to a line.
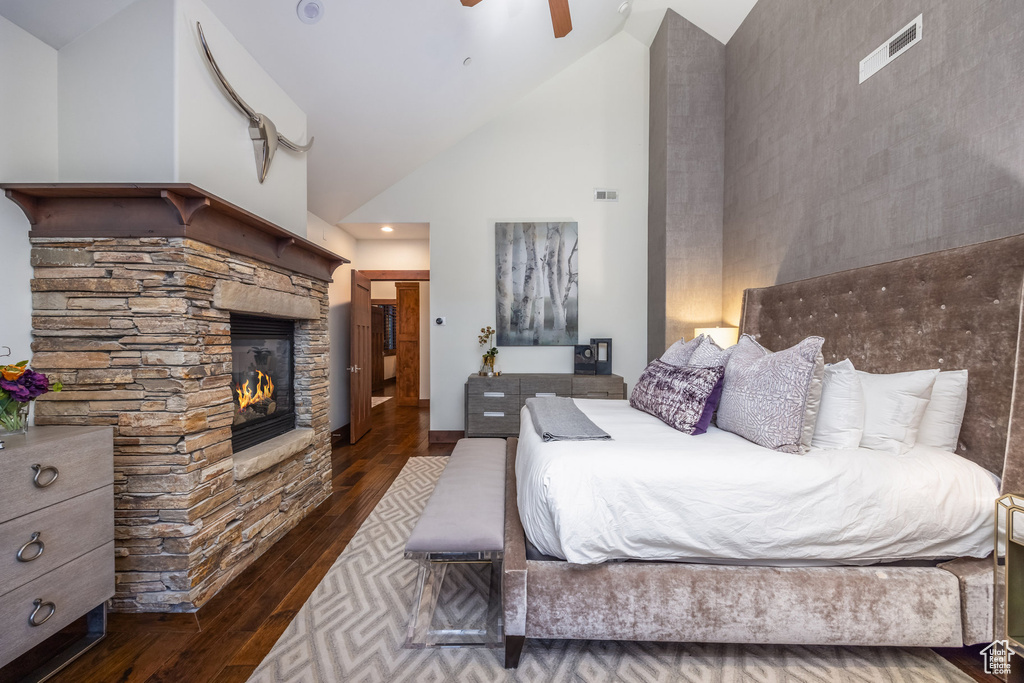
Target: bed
954	309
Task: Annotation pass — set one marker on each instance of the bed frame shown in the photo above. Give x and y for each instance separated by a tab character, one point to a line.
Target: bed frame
953	309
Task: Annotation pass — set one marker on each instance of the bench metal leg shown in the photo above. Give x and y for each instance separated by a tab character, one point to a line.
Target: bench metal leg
432	573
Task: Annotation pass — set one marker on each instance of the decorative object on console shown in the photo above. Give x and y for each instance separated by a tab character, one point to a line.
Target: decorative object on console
486	338
772	398
602	356
585	360
684	398
19	386
723	336
537	275
262	130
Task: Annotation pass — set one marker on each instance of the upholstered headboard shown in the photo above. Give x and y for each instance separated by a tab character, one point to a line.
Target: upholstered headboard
953	309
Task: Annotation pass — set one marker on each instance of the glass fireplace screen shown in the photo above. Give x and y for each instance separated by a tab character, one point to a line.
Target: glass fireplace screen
261	357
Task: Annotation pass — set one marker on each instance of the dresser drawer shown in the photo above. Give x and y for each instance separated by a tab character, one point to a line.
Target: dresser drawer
480	386
545	385
597	386
82	457
66	530
493	416
74	589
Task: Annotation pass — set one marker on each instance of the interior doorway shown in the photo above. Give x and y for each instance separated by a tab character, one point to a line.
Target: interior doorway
388	353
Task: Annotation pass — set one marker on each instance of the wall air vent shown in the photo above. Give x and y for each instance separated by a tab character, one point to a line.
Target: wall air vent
906	38
606	195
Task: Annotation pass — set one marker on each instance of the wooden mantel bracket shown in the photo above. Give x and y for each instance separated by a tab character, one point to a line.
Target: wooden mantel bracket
29	205
186	207
282	244
335	264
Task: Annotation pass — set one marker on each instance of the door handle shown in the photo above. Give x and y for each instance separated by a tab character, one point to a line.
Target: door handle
354	368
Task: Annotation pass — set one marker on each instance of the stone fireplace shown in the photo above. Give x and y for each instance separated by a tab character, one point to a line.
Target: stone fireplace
163	310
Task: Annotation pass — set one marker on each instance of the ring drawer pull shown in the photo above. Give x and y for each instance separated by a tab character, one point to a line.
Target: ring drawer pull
39	473
48	607
34	541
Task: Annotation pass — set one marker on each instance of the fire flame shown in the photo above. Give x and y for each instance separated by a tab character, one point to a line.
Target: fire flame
264	391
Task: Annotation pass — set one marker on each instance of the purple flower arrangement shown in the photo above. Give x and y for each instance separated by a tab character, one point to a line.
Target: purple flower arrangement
19	386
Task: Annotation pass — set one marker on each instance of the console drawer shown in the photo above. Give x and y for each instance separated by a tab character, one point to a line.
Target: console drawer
62	533
73	589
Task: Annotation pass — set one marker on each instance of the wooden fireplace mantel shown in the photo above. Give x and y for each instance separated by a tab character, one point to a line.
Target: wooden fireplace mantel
166	210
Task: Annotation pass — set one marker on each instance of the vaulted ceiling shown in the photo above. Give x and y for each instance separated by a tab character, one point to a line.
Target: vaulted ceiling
383	83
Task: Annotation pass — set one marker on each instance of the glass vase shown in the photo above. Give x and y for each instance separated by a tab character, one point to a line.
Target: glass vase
14	419
487	369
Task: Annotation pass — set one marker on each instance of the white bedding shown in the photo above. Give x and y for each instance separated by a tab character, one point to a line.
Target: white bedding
655	493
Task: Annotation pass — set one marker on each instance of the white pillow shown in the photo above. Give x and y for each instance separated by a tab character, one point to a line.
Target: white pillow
940	426
893	408
841	414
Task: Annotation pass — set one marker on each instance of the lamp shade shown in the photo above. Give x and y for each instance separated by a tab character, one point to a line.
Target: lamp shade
723	336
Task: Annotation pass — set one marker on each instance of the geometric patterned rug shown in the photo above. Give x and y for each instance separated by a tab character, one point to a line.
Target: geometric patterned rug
353	626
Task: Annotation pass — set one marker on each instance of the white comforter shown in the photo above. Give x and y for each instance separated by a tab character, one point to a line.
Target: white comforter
655	493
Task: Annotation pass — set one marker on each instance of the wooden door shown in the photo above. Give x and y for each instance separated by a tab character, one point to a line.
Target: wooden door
407	362
360	357
377	328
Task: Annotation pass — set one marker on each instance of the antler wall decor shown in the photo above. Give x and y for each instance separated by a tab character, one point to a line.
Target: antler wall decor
262	130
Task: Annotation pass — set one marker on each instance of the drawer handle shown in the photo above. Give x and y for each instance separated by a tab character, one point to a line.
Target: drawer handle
34	541
48	607
545	394
39	473
494	394
488	414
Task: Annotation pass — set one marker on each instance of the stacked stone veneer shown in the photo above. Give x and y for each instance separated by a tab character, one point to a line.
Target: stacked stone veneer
130	327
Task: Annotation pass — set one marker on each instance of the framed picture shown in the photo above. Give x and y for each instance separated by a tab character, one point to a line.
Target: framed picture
537	268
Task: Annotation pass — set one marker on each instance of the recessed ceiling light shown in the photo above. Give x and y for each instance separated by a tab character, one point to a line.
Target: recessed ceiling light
310	11
467	61
387	228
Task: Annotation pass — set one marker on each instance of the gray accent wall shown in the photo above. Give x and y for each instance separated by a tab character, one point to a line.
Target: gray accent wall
687	176
824	174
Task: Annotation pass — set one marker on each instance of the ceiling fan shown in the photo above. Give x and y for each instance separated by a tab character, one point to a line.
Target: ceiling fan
560	18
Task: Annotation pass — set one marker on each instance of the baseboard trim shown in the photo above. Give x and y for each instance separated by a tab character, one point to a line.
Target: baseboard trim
424	403
437	436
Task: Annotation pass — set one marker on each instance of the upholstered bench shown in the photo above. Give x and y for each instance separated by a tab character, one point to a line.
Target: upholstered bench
463	522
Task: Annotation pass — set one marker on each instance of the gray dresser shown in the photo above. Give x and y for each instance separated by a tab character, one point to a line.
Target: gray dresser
493	403
56	536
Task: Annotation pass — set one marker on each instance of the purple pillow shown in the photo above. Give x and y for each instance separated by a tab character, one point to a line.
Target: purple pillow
679	396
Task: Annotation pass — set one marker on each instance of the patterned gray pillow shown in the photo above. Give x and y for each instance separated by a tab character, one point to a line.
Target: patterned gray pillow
676	395
709	354
680	352
772	398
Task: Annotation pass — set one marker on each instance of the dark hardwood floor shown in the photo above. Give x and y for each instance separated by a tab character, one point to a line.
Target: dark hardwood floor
229	636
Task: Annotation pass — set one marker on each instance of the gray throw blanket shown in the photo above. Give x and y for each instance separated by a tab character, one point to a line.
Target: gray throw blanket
558	419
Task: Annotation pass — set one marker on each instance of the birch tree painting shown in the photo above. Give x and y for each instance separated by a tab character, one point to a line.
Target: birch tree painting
537	268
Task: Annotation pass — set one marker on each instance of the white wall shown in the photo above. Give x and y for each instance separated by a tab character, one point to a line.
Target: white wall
28	153
340	295
540	160
138	103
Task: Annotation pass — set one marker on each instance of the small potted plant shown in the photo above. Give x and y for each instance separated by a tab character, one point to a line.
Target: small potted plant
486	339
19	386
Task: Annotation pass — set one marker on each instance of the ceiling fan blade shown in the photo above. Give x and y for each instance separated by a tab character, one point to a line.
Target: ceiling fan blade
469	3
560	17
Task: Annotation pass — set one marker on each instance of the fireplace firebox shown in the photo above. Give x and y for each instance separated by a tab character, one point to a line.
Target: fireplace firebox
261	370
